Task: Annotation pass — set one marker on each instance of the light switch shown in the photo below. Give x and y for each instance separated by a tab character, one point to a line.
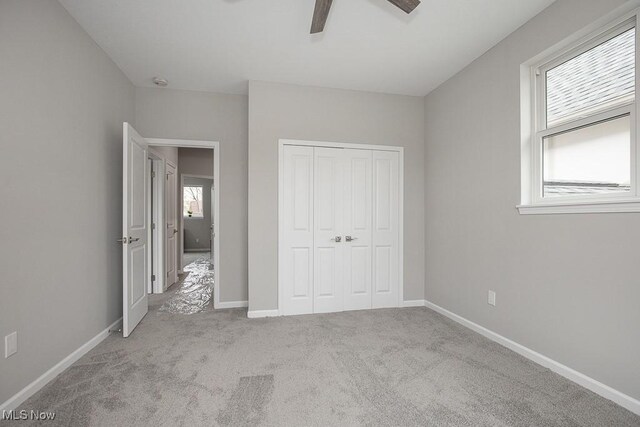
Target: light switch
10	344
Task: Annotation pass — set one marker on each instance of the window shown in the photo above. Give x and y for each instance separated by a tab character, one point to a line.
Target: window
583	140
192	205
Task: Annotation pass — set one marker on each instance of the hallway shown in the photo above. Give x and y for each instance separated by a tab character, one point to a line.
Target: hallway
192	294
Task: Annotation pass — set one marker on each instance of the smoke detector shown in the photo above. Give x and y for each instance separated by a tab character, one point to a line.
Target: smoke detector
160	82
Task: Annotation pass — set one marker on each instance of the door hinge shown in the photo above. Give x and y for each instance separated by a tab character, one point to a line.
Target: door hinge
167	274
153	226
167	177
153	174
153	277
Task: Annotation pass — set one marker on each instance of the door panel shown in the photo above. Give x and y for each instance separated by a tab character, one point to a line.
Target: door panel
328	253
171	206
138	272
297	246
302	262
357	202
386	229
136	268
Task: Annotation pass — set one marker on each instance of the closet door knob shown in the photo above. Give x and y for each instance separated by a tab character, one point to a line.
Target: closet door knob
337	239
349	238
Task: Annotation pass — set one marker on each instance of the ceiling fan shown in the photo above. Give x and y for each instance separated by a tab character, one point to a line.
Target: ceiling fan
321	11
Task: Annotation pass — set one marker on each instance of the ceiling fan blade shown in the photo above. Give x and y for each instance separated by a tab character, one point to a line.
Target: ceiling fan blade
406	5
320	14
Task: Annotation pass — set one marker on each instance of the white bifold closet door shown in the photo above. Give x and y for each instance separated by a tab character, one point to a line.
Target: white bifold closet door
386	230
297	221
340	230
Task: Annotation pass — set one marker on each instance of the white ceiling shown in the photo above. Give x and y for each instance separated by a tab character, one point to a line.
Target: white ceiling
218	45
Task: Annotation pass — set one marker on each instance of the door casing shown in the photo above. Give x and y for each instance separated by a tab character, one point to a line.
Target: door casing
281	185
171	216
215	146
157	233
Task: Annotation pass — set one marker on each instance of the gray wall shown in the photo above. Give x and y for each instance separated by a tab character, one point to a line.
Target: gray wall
287	111
195	161
61	111
567	285
197	231
166	113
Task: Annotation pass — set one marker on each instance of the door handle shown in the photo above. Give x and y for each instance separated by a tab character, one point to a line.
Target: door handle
175	230
337	239
133	239
122	240
350	239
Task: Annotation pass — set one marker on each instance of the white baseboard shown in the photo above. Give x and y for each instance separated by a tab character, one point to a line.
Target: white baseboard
414	303
595	386
254	314
232	304
20	397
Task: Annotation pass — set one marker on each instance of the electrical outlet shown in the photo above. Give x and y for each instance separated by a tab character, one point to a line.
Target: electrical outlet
10	344
491	299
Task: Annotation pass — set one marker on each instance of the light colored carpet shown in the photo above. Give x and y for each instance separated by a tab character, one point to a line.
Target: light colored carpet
395	367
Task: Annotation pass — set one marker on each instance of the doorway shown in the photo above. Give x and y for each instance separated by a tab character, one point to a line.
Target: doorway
152	220
198	218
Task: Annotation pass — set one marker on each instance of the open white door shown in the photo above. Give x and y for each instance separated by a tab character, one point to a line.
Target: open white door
135	226
171	200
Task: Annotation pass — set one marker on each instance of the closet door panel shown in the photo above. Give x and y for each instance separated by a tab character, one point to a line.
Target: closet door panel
358	217
386	229
328	208
298	220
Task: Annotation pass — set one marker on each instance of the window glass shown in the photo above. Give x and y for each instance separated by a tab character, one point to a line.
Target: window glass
600	78
192	204
595	159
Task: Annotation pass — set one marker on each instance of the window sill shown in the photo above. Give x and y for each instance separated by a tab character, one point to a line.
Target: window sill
618	206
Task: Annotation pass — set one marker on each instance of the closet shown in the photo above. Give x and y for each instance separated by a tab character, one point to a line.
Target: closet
340	228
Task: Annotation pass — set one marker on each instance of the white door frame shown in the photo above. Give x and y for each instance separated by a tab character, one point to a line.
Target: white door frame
157	234
182	177
215	146
400	150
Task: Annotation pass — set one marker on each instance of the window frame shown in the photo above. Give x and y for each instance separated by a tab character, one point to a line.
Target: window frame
183	194
536	202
